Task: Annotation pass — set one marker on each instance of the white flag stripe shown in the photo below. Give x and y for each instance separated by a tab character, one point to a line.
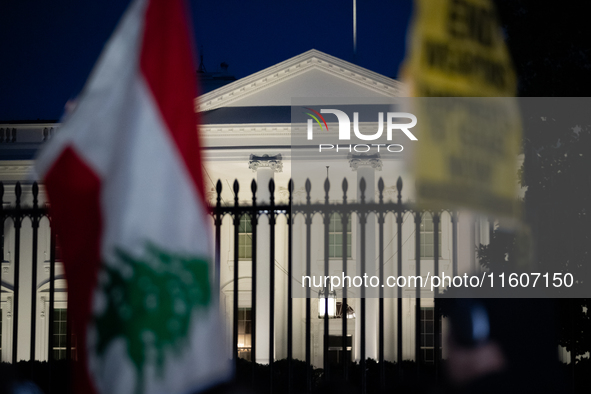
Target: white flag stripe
148	193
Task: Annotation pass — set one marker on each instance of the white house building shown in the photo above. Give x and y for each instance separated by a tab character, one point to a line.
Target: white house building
247	134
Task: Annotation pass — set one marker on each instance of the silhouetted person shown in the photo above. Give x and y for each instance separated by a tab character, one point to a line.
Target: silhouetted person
502	346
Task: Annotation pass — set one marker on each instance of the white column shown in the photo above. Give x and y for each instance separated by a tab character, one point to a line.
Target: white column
390	341
265	168
366	166
281	279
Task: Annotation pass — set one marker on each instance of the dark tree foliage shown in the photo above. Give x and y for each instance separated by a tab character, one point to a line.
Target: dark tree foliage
550	46
551	49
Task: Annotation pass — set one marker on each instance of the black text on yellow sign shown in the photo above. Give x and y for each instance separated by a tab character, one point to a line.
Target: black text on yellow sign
467	150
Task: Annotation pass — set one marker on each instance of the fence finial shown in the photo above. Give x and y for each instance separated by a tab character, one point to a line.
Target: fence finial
362	186
236	190
218	189
381	189
253	188
35	193
272	188
18	191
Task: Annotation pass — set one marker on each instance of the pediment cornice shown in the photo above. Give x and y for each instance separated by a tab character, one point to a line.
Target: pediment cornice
312	59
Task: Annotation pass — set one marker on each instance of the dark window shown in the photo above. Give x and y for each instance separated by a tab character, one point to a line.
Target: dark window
60	333
428	335
336	355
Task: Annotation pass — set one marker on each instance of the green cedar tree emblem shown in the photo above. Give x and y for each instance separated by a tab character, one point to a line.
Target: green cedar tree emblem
149	302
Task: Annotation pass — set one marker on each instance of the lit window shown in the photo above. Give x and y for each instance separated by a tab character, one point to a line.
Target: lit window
244	333
245	238
428	237
335	237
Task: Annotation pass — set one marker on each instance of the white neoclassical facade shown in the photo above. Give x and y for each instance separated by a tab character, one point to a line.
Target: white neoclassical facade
247	134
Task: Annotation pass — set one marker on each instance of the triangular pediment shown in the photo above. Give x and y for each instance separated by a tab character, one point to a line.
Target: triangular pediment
311	74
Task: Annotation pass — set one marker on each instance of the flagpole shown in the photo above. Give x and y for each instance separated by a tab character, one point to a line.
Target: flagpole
354	30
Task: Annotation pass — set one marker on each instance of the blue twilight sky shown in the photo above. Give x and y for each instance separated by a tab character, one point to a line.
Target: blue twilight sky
49	47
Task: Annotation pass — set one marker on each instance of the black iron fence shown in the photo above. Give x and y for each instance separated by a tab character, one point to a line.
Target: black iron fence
347	210
19	215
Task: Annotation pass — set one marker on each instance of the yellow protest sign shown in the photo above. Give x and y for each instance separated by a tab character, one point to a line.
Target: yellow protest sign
468	145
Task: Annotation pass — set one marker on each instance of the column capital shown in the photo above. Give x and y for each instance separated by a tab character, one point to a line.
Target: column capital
372	160
265	161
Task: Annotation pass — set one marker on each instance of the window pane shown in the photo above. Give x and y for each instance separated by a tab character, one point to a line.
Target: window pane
427	334
244	332
428	237
245	238
338	224
335	241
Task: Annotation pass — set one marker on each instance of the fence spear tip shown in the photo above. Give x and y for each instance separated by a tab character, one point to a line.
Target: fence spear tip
381	185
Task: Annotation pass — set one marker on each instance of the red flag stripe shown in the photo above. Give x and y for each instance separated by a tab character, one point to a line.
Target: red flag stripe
73	190
166	63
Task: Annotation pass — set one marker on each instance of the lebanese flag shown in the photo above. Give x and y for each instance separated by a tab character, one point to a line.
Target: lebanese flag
125	183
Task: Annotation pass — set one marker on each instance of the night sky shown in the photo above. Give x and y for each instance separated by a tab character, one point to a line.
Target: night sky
49	47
